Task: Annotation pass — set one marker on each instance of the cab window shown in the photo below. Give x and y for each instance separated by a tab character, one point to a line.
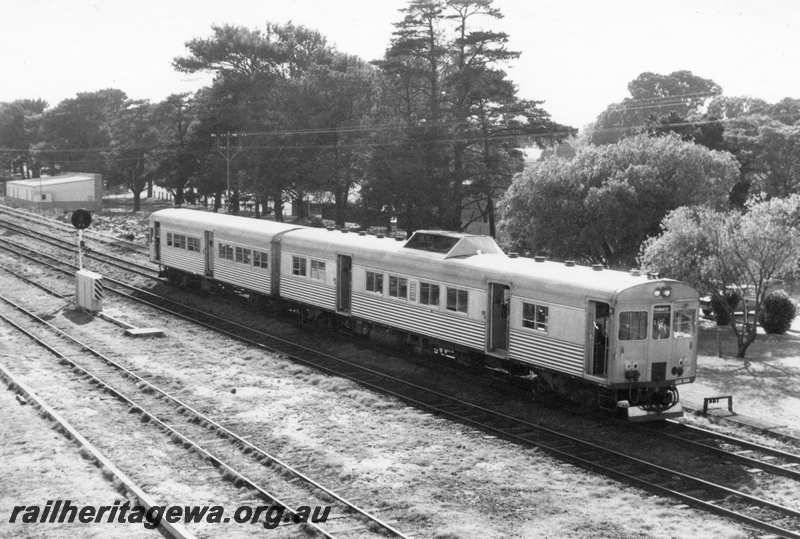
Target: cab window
633	325
661	315
683	324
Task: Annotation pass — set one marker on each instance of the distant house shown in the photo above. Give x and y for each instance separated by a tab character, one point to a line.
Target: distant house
565	150
67	191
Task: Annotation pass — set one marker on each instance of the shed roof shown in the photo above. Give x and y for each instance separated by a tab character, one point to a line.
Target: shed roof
47	181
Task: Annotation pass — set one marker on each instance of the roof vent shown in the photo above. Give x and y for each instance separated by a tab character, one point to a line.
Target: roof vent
597	267
513	255
540	258
569	263
635	272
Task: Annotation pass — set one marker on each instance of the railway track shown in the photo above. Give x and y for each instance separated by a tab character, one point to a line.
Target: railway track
58	225
118	262
707	495
133	490
268	477
758	457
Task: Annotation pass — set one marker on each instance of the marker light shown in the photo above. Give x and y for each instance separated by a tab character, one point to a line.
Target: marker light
664	291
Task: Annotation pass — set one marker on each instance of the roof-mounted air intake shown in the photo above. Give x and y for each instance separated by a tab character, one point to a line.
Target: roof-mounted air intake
452	244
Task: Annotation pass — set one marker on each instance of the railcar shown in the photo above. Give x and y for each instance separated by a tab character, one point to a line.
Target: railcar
622	340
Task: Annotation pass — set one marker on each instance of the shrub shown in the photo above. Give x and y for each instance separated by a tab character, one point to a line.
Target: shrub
721	313
777	312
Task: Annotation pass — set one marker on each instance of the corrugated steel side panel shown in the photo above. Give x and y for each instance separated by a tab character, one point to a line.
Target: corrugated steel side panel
308	291
560	356
191	261
418	319
244	275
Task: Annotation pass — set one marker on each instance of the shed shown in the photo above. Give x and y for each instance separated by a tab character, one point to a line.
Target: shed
65	192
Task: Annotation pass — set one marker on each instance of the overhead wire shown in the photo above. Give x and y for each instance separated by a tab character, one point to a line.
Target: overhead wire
374	129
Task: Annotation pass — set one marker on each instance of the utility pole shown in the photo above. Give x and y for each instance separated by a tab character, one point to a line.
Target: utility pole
223	144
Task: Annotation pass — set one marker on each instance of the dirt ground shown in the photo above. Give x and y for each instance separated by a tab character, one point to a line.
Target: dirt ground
39	464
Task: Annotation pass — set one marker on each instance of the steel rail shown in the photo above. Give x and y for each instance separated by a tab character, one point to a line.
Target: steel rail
94	235
134	406
468	416
174	531
204	420
103	258
732	440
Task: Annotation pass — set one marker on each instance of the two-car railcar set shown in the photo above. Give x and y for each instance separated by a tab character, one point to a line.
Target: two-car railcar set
621	339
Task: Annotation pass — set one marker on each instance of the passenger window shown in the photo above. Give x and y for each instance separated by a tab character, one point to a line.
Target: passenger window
633	326
535	316
398	287
457	300
428	294
683	324
374	282
259	259
298	266
661	314
318	270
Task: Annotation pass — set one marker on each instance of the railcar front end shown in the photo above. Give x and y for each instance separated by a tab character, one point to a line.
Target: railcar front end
651	343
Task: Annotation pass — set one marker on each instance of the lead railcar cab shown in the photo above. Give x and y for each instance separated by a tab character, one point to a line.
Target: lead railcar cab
621	340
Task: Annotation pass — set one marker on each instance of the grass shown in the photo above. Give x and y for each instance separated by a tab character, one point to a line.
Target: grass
765	385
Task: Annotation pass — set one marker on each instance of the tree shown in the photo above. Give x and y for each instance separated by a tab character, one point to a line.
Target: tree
762	137
455	108
656	100
255	92
601	204
281	51
339	99
20	124
78	129
131	154
718	251
177	156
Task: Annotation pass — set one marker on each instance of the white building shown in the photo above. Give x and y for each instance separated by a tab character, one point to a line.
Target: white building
68	191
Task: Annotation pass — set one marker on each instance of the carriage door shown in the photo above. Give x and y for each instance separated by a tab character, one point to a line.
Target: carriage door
598	328
209	253
344	281
500	296
660	346
157	240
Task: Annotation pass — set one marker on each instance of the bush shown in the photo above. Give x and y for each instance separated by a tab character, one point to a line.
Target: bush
721	313
777	312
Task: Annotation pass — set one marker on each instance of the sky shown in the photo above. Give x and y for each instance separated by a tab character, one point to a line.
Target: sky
577	55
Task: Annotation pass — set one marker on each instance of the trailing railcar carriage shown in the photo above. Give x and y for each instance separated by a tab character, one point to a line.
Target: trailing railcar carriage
619	339
237	251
